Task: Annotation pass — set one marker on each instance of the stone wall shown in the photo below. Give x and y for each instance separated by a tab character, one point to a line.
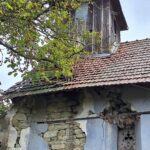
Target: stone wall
4	123
31	130
64	136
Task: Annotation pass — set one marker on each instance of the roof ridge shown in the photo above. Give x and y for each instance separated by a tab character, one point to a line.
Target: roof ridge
137	40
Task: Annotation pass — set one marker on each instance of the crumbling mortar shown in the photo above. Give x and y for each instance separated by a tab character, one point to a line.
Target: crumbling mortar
65	136
65	133
119	112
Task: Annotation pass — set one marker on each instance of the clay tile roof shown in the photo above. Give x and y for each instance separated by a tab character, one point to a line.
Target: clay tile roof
130	64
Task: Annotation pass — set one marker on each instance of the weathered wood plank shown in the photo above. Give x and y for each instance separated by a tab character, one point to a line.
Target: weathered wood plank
106	26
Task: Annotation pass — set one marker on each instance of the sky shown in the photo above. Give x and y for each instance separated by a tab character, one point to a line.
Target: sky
137	14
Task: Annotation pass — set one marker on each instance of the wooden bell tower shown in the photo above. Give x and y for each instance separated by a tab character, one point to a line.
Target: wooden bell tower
105	17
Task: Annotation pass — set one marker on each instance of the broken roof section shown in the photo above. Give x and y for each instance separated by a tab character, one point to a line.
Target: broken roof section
130	64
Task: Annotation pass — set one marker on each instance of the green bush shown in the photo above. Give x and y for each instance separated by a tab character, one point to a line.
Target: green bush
3	109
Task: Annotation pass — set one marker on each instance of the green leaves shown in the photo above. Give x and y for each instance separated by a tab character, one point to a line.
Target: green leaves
4	108
40	36
9	6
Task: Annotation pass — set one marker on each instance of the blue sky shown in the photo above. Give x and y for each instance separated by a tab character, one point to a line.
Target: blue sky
137	15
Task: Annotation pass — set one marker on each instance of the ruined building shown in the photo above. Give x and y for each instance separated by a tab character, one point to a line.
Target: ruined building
104	107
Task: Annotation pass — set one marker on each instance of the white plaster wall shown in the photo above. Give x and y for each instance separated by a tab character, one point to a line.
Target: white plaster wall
36	142
138	136
12	131
140	101
30	138
100	135
138	97
145	132
87	105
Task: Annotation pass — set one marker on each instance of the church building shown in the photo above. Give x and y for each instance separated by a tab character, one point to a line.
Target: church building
105	106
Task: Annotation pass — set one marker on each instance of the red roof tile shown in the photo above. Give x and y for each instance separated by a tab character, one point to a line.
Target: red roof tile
130	64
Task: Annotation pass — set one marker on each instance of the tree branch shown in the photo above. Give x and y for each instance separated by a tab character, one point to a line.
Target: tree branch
25	56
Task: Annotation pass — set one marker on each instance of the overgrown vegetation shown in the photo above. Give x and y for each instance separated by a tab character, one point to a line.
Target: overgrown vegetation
3	109
4	105
40	35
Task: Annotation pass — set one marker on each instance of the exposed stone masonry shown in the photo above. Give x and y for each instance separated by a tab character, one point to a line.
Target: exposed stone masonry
34	122
59	136
21	120
64	136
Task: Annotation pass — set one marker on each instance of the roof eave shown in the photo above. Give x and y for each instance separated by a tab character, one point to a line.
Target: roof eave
121	17
77	86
